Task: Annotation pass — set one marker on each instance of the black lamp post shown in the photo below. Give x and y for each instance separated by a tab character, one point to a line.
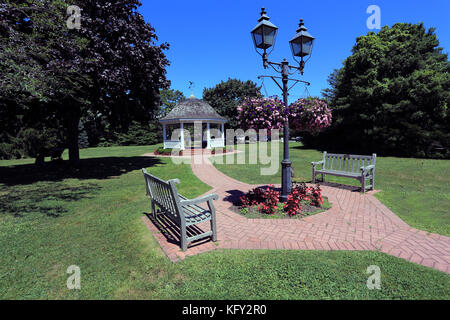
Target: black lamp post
264	35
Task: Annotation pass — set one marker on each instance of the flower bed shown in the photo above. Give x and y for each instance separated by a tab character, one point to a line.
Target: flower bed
264	202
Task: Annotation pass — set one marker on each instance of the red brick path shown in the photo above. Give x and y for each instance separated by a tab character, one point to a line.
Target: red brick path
355	222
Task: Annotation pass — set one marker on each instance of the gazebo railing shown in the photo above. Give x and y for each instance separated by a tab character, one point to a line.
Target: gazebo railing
172	144
217	143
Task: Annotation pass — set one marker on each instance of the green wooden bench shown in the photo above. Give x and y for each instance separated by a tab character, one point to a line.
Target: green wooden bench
361	168
182	211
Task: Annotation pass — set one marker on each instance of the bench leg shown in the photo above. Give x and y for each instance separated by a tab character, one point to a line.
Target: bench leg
213	228
314	176
323	177
363	184
153	210
213	220
183	238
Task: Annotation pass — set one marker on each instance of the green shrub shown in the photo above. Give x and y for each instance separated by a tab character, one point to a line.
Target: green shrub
83	139
40	143
167	151
140	134
8	151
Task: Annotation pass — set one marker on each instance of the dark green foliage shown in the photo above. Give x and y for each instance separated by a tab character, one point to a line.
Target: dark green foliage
140	134
391	96
83	141
8	151
169	99
137	134
40	143
168	151
227	95
110	67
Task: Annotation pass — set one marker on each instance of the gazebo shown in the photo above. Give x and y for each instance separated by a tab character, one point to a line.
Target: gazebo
197	112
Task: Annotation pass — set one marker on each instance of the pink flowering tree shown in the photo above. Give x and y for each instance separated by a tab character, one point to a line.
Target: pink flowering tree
261	113
309	115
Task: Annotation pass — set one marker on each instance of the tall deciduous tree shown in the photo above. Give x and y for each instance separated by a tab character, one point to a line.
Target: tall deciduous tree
227	95
110	65
392	95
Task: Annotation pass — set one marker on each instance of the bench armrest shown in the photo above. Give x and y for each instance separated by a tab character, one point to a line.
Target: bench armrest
367	168
206	198
316	163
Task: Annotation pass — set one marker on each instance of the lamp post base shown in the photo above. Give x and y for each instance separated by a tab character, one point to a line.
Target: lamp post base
285	180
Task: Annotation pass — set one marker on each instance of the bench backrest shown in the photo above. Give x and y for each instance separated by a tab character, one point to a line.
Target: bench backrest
164	194
347	162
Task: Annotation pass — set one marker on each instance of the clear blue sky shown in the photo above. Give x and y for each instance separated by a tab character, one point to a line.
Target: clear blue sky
210	40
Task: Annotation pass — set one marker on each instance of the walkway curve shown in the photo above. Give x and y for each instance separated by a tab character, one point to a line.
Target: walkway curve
355	222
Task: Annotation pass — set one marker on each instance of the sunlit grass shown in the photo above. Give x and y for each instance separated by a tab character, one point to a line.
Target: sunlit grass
417	190
54	217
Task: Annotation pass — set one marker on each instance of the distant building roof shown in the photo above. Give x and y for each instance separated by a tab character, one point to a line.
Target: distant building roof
192	109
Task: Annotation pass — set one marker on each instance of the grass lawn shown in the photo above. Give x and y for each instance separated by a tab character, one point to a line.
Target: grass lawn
417	190
53	217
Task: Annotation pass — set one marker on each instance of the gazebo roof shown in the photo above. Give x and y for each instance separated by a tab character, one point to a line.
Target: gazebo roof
192	109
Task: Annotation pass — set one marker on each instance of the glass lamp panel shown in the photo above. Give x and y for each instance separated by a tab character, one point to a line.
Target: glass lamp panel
307	46
258	37
295	48
269	36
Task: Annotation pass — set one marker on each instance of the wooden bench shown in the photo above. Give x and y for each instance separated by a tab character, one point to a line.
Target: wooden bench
182	211
361	168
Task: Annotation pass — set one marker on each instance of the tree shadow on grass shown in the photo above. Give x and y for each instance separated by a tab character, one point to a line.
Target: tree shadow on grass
29	189
92	168
44	198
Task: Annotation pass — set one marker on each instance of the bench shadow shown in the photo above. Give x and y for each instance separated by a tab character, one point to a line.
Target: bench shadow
340	186
92	168
172	231
234	196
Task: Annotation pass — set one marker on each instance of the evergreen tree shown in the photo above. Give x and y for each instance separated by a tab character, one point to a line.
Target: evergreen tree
391	96
169	99
227	95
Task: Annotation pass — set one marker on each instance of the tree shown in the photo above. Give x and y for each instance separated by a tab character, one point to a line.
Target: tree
169	99
227	95
329	93
391	96
109	67
38	72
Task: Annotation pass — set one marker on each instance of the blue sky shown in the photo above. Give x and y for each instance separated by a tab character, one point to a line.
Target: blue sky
210	40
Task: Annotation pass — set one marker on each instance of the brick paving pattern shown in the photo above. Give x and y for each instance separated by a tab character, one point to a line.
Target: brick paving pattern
355	222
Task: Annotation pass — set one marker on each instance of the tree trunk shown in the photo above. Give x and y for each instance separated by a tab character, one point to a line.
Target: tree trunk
40	160
72	121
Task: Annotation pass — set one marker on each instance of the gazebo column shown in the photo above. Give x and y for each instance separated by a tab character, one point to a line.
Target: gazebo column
182	136
164	136
223	135
208	136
